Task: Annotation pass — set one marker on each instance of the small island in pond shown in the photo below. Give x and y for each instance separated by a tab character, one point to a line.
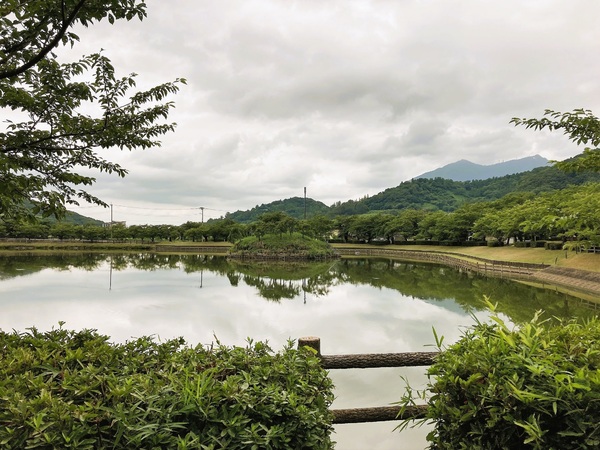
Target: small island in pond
285	246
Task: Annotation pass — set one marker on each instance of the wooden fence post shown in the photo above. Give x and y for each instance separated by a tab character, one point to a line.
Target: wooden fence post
312	342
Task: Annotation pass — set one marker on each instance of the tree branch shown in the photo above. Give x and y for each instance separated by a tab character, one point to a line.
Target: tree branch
48	47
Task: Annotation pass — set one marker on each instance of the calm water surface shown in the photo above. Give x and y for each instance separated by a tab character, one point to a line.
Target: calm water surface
354	305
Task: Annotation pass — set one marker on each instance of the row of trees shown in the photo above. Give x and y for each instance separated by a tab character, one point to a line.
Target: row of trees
571	214
219	230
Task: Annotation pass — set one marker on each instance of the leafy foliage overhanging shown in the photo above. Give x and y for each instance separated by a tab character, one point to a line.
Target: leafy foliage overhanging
63	113
581	127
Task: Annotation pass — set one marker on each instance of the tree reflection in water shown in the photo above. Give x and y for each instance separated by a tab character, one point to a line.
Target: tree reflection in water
280	281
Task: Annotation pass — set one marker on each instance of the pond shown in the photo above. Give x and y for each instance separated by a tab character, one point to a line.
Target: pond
354	305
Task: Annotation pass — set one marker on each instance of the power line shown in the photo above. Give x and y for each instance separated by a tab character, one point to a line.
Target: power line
154	208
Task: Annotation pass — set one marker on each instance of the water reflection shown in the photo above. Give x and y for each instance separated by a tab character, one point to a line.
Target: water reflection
458	291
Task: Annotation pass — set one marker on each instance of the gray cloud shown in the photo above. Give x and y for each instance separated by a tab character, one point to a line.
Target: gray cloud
345	97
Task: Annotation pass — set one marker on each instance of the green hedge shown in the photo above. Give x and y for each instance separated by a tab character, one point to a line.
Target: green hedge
444	243
553	245
534	387
65	389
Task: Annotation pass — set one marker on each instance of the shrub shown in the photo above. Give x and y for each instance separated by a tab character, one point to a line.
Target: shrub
401	242
553	245
65	389
495	243
534	387
522	244
426	242
473	243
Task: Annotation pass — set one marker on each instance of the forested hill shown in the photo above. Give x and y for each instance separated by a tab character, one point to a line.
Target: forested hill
73	218
293	207
78	219
423	193
447	195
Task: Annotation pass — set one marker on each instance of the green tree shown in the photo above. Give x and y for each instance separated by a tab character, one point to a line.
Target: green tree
63	230
365	226
224	230
407	223
581	126
580	219
93	233
140	232
198	233
119	232
42	157
33	231
342	224
382	228
431	225
276	222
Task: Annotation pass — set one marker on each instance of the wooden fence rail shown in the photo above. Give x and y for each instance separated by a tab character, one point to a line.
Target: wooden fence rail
371	360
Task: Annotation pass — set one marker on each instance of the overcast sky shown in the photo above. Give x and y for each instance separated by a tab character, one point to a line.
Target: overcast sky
345	98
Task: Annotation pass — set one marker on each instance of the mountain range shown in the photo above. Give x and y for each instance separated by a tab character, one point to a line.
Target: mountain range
464	170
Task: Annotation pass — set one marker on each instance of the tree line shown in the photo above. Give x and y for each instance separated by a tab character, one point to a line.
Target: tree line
569	215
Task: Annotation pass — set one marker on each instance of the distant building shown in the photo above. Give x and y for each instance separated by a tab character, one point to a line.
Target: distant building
114	222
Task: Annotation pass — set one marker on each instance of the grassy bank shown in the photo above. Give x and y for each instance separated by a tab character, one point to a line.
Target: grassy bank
58	246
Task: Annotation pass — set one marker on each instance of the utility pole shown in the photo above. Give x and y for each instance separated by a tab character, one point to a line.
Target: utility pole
304	202
202	211
111	221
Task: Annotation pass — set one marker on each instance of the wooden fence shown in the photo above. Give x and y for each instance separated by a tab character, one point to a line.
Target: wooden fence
364	361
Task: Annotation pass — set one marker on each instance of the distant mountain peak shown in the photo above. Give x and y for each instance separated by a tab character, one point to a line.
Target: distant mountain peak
465	170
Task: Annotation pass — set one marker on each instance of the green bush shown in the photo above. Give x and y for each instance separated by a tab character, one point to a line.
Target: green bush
473	243
495	243
64	389
426	242
553	245
522	244
534	387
